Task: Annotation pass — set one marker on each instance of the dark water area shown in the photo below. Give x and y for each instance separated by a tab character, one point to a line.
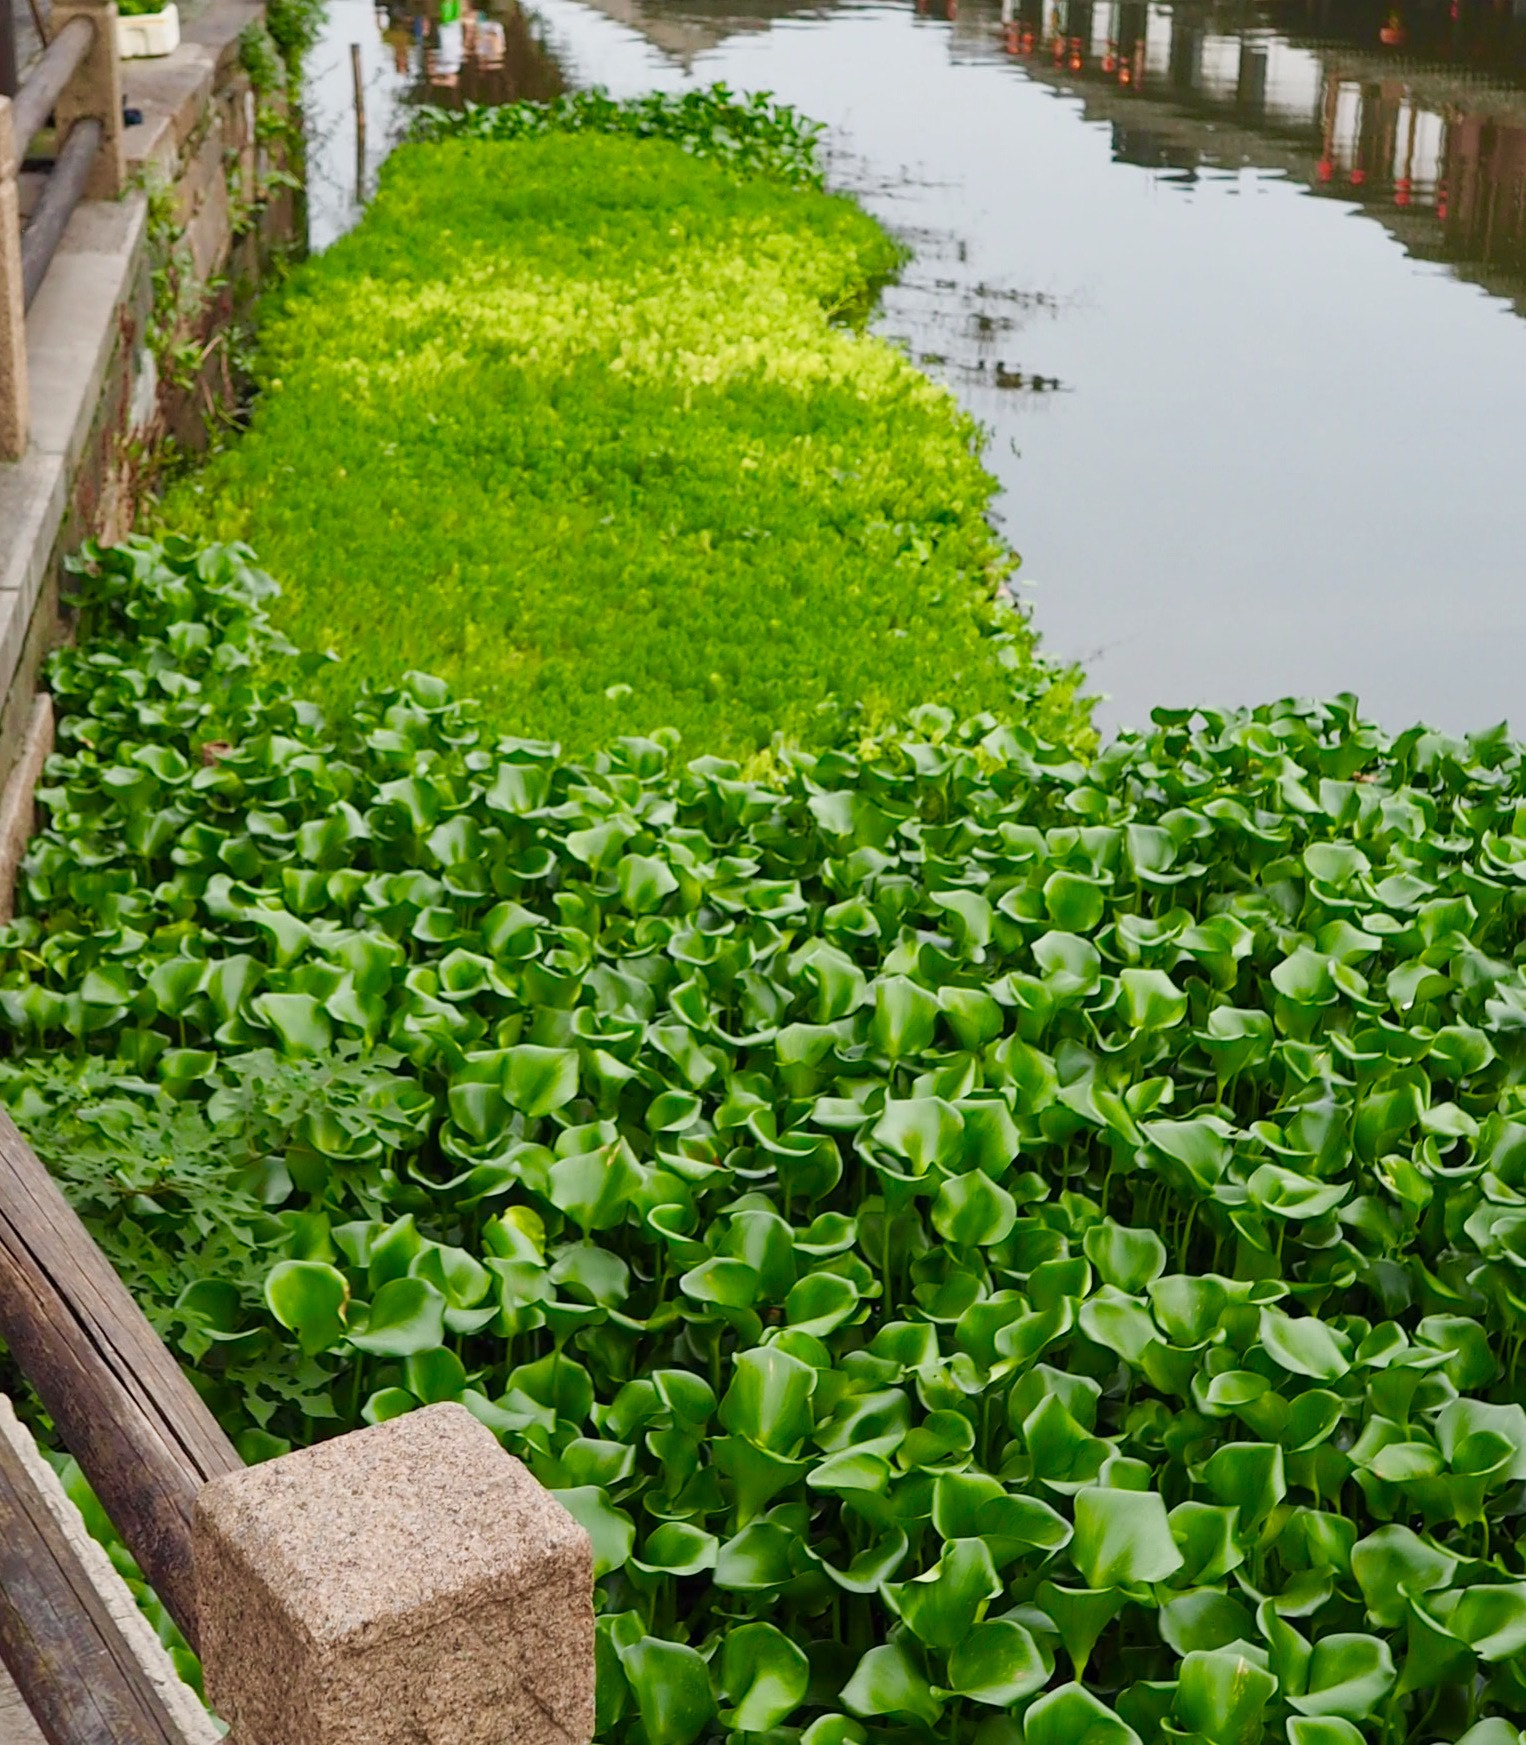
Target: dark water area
1236	291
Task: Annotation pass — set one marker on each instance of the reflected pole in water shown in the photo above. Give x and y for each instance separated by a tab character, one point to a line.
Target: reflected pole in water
358	79
9	82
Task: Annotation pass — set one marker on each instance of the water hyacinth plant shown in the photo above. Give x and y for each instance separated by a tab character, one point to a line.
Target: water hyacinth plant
748	133
992	1247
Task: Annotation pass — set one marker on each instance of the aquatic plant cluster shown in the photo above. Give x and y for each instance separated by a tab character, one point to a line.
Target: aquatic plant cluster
578	420
992	1246
752	134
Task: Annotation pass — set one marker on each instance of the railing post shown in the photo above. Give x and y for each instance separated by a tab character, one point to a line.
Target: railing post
13	377
407	1584
96	91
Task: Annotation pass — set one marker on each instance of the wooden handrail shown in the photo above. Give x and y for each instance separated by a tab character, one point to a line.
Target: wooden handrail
67	1654
45	84
142	1435
60	195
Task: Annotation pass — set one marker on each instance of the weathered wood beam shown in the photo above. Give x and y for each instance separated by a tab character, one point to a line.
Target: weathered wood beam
139	1430
83	1680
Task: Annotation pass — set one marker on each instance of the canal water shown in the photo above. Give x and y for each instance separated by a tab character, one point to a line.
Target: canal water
1237	292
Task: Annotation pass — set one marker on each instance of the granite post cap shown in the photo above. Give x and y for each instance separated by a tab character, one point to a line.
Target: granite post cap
407	1582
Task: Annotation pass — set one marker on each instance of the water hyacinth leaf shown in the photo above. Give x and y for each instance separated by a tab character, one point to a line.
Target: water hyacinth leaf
1206	1536
671	1684
856	1470
820	1302
677	1548
997	1662
1395	1564
1462	1422
890	1680
644	881
1071	1714
834	1730
309	1297
1203	1620
924	1130
1349	1675
759	1557
1120	1322
731	1284
1022	1522
297	1019
1151	1000
1323	1730
611	1530
688	1396
406	1317
1223	1696
1305	978
1122	1538
435	1375
973	1210
871	1568
1312	1419
1304	1346
765	1675
769	1400
1236	1038
905	1017
594	1188
1494	1731
1248	1476
590	1460
1127	1259
388	1403
941	1606
1075	904
1492	1620
1080	1615
539	1080
1286	1194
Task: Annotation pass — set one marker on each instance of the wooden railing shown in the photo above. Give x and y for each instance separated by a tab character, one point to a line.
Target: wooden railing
77	83
117	1397
406	1582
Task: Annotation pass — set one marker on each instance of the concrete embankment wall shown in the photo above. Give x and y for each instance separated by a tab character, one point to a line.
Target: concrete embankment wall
129	338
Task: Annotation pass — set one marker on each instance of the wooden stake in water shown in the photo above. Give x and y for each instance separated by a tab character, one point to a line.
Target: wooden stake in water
360	124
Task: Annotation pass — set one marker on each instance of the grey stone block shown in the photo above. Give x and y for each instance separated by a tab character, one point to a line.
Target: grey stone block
409	1582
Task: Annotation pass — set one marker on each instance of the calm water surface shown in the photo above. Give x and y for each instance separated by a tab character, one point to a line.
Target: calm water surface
1237	291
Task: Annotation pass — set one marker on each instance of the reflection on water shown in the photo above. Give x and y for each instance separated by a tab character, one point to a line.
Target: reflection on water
1410	112
472	56
1200	270
429	52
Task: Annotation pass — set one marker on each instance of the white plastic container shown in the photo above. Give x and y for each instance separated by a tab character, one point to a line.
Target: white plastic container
147	34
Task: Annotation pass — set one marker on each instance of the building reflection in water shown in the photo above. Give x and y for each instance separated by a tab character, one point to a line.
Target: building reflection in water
455	52
1415	113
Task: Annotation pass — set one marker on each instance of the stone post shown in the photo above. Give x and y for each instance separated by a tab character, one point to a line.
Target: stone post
408	1584
13	379
96	90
